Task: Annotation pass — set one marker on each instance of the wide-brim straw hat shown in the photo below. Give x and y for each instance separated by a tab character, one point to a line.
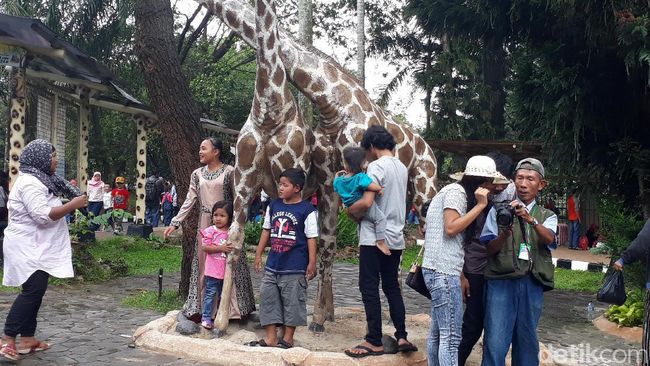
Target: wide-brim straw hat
481	166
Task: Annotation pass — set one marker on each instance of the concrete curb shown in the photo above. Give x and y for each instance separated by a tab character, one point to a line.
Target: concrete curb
579	265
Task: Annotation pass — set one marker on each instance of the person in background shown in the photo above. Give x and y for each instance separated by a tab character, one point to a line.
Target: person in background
121	197
639	250
36	242
4	194
592	235
174	199
413	216
70	216
167	205
153	193
95	192
573	215
108	202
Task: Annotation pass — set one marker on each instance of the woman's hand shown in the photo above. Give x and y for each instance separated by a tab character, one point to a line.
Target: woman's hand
481	195
226	248
168	231
79	202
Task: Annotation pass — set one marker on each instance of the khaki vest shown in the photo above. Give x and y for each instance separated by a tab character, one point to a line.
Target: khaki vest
506	265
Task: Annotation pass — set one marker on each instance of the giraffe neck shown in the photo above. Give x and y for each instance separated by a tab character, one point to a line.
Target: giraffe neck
326	83
272	104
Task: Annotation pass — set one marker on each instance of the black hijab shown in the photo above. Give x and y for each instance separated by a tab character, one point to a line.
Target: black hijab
36	159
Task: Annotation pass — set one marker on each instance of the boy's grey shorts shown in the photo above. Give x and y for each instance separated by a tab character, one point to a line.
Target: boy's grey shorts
283	299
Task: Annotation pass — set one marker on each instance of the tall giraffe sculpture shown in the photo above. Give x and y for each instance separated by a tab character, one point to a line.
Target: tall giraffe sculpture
346	111
273	139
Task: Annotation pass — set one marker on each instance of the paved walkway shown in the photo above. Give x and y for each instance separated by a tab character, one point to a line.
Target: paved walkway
87	325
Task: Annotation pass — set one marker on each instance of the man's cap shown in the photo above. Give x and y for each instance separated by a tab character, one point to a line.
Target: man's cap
119	180
531	164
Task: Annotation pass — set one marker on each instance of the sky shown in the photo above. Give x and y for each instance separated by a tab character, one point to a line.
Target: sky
406	100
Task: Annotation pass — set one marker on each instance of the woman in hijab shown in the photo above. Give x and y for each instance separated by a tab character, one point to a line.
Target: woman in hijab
95	194
36	242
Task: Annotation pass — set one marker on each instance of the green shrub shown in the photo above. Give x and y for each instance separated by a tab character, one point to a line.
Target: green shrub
629	314
346	231
252	233
619	227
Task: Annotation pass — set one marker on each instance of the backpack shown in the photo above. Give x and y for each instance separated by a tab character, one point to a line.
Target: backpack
583	243
150	192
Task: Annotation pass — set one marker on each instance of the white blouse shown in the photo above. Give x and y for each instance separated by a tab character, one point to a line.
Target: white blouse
33	241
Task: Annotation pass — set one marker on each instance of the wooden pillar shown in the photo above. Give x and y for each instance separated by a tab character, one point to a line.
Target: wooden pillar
82	146
141	146
17	122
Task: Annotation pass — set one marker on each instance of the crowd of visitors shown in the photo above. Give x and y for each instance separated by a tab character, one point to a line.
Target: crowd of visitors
487	244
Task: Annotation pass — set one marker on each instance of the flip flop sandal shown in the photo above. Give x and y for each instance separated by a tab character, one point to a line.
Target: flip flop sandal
369	352
260	343
284	344
9	352
407	347
41	346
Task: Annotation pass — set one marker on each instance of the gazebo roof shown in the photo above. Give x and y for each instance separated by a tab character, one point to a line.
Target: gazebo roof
60	66
49	57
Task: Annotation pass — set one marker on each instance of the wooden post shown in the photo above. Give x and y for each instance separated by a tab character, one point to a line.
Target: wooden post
141	167
17	122
82	146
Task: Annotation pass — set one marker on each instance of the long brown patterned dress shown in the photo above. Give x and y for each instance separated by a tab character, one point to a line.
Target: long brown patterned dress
210	187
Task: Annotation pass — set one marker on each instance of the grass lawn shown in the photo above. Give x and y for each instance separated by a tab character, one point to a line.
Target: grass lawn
581	281
149	300
142	257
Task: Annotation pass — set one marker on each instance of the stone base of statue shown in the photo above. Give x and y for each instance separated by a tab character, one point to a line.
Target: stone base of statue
322	349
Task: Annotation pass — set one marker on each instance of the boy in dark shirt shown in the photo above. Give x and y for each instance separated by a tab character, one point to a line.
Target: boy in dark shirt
291	227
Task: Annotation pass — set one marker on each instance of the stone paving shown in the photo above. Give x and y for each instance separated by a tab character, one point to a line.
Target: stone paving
87	325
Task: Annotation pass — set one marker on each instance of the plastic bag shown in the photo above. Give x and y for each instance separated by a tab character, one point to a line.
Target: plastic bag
613	291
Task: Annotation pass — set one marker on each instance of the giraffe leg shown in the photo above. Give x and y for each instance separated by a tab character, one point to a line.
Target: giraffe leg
324	304
246	179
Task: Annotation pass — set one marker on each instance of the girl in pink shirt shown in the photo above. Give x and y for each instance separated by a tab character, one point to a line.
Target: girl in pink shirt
214	241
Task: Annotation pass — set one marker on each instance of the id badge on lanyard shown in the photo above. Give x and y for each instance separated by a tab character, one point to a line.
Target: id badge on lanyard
524	248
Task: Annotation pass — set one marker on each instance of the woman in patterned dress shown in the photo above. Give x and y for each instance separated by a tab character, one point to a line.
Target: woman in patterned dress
209	184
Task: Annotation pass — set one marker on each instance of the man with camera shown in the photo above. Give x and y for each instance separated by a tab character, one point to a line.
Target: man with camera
519	238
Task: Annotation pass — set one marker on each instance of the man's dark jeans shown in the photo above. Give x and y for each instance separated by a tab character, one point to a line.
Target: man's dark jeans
473	316
373	266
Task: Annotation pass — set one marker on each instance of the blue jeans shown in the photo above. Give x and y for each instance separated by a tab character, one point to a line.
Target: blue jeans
446	317
213	288
413	218
574	233
152	216
95	208
512	311
168	213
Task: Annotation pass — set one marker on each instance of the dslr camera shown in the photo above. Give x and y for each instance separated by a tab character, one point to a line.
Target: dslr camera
505	213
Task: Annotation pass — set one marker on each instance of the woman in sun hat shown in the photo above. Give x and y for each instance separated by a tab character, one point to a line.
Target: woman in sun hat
36	242
451	214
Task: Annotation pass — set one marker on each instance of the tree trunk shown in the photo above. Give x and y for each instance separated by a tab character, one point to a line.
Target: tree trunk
306	36
178	115
361	42
494	68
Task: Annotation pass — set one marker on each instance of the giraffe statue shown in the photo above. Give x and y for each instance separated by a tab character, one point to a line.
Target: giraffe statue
346	111
273	139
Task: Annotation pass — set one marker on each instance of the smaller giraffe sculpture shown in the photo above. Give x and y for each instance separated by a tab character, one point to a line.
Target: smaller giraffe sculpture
273	139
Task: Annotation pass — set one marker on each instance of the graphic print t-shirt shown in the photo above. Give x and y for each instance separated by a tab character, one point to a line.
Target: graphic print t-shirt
120	198
290	225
